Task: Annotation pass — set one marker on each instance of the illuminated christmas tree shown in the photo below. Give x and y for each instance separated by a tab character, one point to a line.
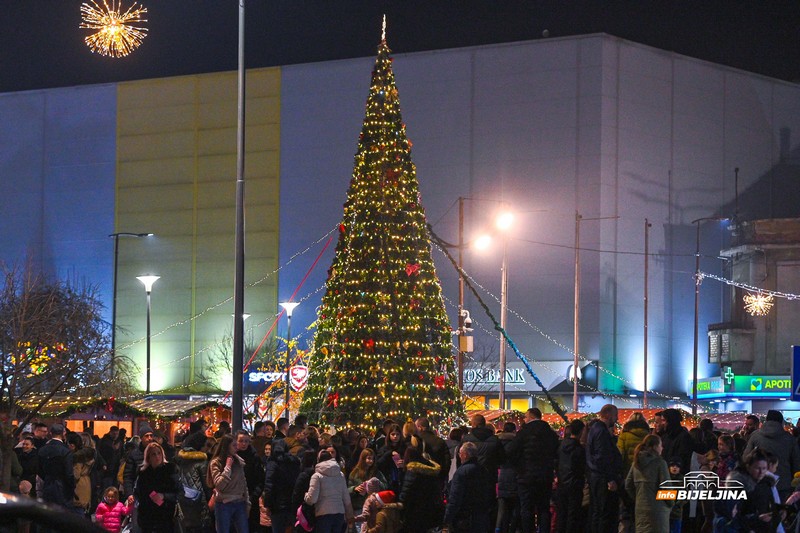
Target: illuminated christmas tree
383	342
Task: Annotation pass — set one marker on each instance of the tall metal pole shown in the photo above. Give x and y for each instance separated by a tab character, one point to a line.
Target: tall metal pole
238	280
114	303
646	267
503	309
576	312
697	281
148	281
696	314
288	356
461	331
116	237
147	390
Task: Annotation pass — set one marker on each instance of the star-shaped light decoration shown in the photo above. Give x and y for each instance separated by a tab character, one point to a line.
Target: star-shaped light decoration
115	35
758	304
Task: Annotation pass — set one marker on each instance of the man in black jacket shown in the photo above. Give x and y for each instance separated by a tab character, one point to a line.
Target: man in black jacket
282	471
604	462
135	458
675	439
571	472
533	452
490	454
468	505
55	469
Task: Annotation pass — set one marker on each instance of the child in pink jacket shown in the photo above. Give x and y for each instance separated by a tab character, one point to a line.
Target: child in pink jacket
110	512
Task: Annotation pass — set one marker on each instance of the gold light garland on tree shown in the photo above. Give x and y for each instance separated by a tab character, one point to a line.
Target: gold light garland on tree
115	36
758	304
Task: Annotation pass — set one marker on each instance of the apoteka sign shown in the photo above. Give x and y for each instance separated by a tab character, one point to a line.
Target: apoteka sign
701	486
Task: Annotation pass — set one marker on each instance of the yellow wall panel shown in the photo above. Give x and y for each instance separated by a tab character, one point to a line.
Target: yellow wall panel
176	172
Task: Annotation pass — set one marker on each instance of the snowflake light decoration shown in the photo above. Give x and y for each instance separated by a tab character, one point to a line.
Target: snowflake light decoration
758	304
115	36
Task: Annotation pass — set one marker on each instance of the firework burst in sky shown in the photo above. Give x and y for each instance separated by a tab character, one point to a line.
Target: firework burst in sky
115	36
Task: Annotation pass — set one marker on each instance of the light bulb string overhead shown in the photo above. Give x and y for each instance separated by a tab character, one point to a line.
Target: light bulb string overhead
751	288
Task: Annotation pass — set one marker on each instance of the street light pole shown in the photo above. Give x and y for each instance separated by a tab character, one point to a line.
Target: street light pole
697	282
288	307
148	281
237	399
503	312
116	237
461	329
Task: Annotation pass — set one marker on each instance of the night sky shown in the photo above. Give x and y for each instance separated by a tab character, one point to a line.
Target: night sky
41	45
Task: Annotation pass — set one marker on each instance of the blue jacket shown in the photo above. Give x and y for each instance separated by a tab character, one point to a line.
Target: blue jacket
602	455
55	469
469	496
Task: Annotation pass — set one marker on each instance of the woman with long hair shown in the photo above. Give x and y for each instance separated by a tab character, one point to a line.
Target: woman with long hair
390	458
226	477
757	512
156	491
421	493
647	473
364	470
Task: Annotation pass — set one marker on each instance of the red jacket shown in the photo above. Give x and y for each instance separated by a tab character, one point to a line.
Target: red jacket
110	518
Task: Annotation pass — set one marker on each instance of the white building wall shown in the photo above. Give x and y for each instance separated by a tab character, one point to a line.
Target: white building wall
594	124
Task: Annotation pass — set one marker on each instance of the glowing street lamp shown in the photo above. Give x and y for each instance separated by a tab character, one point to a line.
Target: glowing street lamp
503	223
148	281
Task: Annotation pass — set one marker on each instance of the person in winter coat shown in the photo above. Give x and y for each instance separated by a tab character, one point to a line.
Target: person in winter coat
728	459
83	459
281	472
649	470
156	491
435	447
363	471
633	432
226	475
253	473
490	455
675	439
135	458
387	519
28	458
389	458
421	495
753	514
533	452
604	466
110	511
373	503
772	438
571	475
193	467
55	469
468	506
508	518
327	492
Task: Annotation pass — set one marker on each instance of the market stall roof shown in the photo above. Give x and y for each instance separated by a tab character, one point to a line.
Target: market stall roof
166	408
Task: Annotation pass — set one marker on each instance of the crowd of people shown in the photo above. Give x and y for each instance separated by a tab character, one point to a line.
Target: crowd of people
286	478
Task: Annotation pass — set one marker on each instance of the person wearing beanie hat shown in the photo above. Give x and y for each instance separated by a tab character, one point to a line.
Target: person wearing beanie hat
773	438
135	458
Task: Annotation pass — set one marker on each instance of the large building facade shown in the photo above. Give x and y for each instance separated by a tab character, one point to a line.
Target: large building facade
617	132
